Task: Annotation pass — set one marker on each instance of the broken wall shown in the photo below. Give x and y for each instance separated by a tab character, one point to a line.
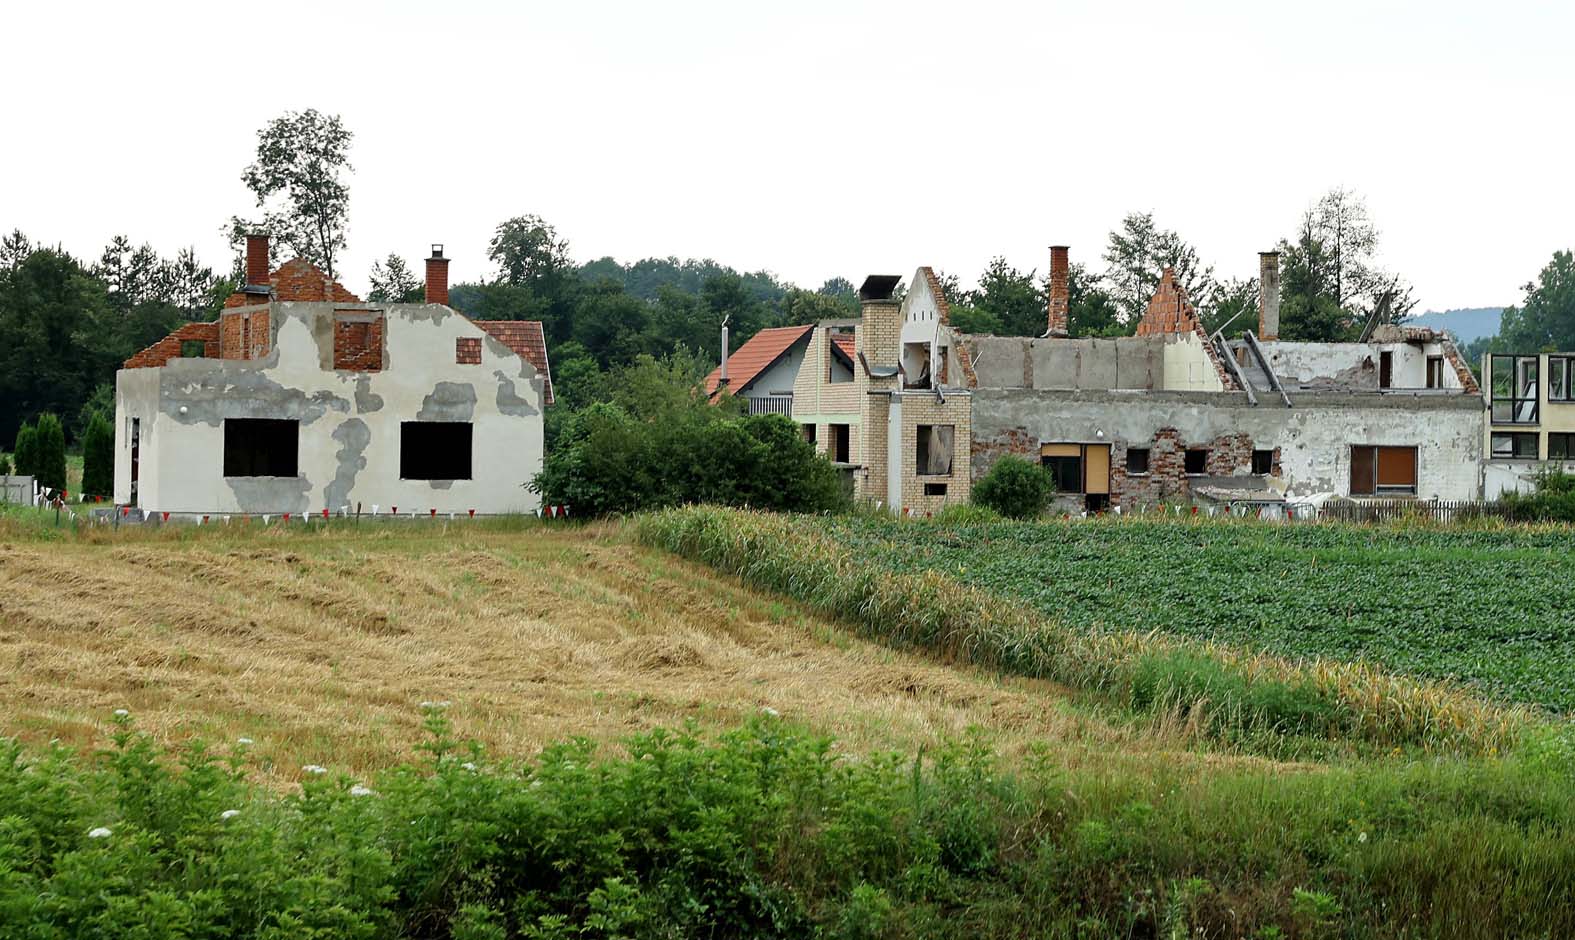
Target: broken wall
1313	439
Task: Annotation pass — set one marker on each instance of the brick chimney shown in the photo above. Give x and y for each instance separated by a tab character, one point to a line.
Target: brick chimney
1060	297
437	277
1268	295
256	264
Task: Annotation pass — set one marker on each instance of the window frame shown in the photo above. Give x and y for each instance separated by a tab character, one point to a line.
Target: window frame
1382	489
1516	399
1268	456
1186	461
1148	456
921	436
1565	366
1516	439
1567	440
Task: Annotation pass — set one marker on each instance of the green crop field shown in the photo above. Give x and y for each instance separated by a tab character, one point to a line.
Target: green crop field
1494	608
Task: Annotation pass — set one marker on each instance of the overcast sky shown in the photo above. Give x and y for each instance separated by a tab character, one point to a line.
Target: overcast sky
815	139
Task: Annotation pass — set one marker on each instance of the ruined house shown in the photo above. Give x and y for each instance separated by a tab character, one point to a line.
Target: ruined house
1167	414
303	398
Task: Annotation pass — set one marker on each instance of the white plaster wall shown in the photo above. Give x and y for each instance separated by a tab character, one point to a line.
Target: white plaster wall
1354	364
782	375
350	421
1188	366
1314	438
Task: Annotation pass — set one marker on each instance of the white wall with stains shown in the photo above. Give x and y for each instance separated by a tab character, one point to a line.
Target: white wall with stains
350	422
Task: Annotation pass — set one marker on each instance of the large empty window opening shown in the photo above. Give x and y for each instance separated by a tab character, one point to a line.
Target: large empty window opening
261	447
934	451
1196	461
434	450
1383	471
1262	462
1435	371
839	443
1137	460
916	365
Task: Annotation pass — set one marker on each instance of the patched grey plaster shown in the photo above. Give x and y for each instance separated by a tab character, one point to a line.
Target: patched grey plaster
233	391
366	400
449	401
353	435
509	401
270	494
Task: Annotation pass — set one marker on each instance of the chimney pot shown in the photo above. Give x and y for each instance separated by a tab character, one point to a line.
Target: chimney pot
1060	295
437	277
1268	295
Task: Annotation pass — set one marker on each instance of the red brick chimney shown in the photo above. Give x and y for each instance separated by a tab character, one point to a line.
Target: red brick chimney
1060	298
1268	295
256	260
437	277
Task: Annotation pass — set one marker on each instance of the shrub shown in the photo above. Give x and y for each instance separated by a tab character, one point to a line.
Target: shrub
611	461
1553	500
5	466
26	445
49	452
98	457
1015	487
968	514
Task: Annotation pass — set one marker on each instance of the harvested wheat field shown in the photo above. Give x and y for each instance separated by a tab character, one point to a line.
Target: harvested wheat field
320	648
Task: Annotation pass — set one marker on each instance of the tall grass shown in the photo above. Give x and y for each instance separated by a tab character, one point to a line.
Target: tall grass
1253	700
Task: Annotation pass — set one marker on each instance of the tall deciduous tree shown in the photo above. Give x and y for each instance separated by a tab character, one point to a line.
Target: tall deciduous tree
1545	320
298	178
1136	258
529	253
1332	281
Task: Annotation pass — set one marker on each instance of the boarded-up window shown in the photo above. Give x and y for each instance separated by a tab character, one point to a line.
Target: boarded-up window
1383	470
934	451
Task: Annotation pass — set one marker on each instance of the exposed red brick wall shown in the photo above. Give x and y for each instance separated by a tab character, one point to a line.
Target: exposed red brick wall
244	334
467	350
168	348
1169	310
257	259
437	281
1060	291
358	343
298	280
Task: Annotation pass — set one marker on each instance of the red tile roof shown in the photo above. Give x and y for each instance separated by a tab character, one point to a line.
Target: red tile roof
844	344
526	338
746	362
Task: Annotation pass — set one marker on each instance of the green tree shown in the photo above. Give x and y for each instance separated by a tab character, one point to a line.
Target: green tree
1331	283
1091	311
24	453
99	404
1010	297
1136	258
393	282
98	458
1545	320
49	452
298	179
529	253
1235	307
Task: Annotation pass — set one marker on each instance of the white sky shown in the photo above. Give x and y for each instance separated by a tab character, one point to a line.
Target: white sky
815	138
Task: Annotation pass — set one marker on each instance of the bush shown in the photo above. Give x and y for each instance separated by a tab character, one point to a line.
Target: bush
98	457
611	461
26	445
49	452
1553	500
5	466
1015	487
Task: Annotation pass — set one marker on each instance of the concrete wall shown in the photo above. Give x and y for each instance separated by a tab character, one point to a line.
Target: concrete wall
349	421
1128	362
1313	439
1354	366
1188	365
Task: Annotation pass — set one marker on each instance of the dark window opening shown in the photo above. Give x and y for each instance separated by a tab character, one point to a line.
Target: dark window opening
1197	460
809	434
1096	502
839	443
193	349
261	447
933	453
935	489
1067	472
434	450
1561	446
1386	369
1262	462
1137	460
1380	471
1435	371
1516	445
